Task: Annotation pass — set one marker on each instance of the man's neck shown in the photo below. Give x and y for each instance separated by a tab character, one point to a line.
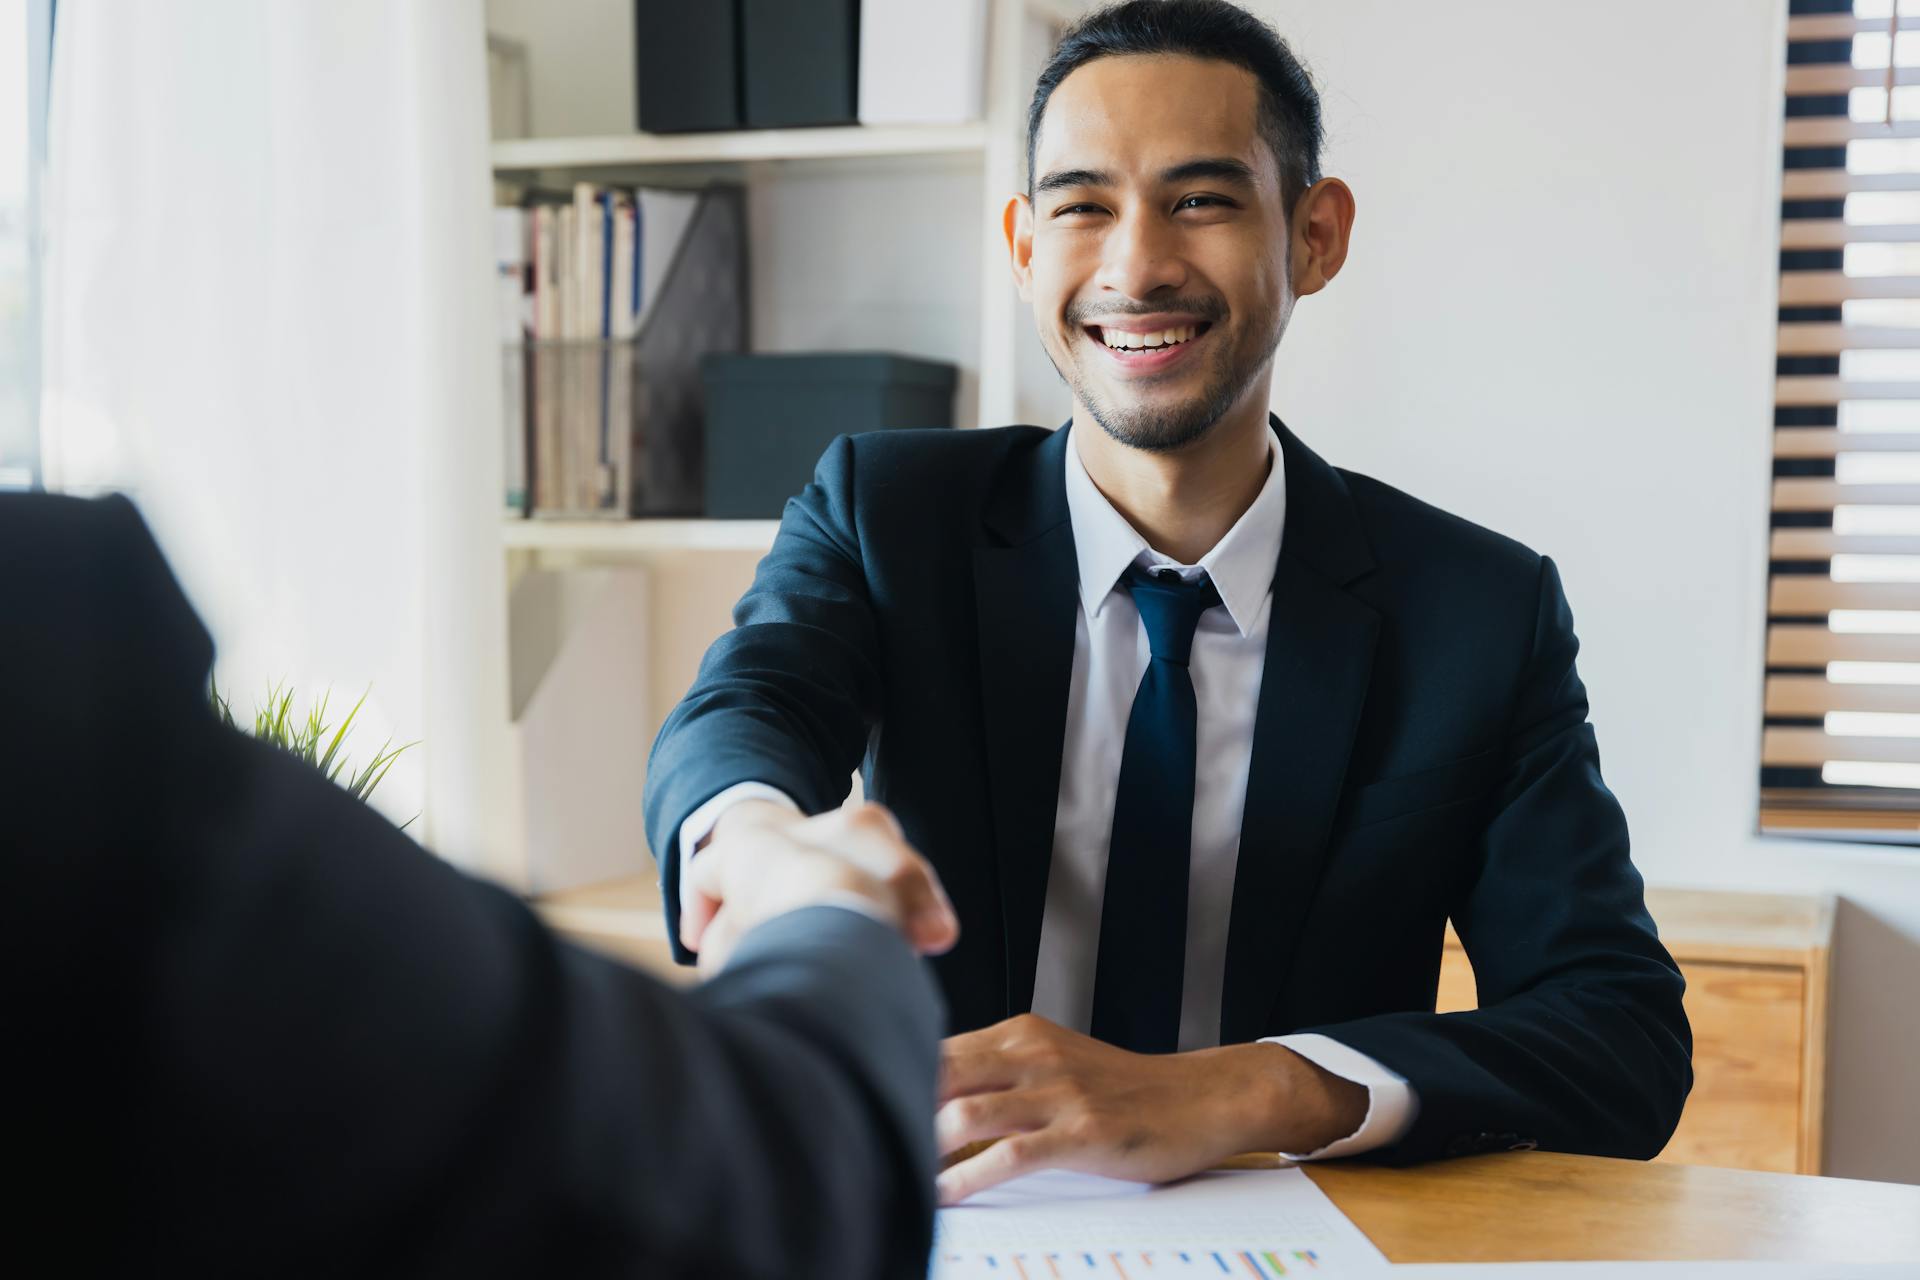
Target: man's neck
1183	502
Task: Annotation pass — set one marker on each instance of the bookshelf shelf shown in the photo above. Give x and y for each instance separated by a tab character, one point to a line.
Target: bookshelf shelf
637	537
639	150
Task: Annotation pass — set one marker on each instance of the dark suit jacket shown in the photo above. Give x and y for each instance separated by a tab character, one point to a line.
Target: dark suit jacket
1421	751
252	1028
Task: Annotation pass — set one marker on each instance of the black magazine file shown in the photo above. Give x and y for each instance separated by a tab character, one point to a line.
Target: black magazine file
701	308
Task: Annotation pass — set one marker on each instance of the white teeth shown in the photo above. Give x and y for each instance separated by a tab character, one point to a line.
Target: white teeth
1137	341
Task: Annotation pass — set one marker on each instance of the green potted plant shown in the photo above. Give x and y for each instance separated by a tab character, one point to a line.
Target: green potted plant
274	722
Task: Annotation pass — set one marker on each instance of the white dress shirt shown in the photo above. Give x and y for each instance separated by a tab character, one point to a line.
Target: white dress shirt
1110	656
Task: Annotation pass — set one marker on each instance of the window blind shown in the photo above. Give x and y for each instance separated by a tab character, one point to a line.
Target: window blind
1840	747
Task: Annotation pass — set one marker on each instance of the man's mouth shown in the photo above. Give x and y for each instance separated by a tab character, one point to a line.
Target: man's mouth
1148	351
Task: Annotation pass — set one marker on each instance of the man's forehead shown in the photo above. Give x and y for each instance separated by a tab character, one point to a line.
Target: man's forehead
1151	110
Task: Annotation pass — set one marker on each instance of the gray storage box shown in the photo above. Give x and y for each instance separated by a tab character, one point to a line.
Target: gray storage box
687	64
799	62
770	417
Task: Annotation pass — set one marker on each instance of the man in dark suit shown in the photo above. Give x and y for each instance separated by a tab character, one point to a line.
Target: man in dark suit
1207	738
254	1029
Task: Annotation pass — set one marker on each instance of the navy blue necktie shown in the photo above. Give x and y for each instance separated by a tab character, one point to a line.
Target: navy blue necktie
1143	916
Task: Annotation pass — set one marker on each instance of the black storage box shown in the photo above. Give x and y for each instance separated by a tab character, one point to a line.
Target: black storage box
687	64
770	417
799	62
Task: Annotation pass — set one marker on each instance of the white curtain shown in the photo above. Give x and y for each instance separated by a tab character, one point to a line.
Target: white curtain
268	319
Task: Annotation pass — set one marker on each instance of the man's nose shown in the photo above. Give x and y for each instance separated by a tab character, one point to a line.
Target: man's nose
1141	254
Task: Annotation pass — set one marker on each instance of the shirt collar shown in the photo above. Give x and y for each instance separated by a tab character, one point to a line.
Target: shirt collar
1241	564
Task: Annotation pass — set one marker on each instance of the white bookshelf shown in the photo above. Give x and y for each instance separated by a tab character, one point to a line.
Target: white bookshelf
695	569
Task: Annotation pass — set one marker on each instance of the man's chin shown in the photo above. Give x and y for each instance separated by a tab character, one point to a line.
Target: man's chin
1153	427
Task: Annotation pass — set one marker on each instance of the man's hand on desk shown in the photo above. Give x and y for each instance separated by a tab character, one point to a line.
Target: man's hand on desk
774	862
1056	1099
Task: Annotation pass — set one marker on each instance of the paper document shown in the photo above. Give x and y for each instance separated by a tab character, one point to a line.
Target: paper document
1070	1226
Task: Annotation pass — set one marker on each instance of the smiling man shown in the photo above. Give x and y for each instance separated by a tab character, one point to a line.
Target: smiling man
1207	738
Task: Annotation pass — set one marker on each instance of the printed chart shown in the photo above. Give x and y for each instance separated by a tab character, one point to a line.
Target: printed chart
1027	1265
1254	1225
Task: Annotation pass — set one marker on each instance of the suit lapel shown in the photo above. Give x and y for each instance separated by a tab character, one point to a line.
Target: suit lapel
1025	582
1320	643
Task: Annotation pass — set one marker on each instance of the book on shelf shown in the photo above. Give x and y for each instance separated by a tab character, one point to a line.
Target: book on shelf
602	413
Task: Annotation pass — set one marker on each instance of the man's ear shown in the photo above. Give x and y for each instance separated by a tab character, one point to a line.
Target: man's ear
1322	227
1017	222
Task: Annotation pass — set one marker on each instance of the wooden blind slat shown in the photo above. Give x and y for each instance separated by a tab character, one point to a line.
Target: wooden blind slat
1807	389
1814	747
1813	696
1834	26
1816	131
1806	184
1819	493
1803	813
1806	645
1836	233
1819	544
1828	442
1838	78
1798	593
1799	288
1832	339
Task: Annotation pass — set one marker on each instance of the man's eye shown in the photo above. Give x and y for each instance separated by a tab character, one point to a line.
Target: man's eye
1207	199
1072	208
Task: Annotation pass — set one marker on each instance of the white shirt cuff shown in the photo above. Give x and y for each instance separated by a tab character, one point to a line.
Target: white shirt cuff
700	823
1391	1102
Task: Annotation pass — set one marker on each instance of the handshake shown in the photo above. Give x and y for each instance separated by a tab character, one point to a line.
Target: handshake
764	860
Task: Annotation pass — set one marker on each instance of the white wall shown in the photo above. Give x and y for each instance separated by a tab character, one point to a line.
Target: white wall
268	316
1558	321
580	56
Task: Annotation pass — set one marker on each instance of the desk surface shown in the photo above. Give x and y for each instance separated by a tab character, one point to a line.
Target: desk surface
1528	1206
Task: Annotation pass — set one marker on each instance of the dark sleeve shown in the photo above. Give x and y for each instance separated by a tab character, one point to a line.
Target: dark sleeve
788	696
1580	1042
262	1030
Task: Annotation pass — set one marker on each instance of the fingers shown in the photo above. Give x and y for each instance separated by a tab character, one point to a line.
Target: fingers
869	836
929	919
716	947
1025	1049
1007	1158
968	1066
989	1115
700	895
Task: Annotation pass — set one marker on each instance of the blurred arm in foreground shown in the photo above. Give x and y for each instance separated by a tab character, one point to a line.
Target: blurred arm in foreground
254	1027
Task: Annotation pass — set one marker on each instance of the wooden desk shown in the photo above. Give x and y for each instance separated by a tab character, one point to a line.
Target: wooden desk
622	918
1533	1206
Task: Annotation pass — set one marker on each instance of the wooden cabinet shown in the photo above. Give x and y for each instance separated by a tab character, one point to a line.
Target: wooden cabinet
1756	968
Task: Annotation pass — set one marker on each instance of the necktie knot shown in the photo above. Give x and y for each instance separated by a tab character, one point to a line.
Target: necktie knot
1170	608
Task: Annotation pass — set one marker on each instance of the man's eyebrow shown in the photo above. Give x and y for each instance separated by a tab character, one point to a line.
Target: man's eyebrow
1218	168
1061	179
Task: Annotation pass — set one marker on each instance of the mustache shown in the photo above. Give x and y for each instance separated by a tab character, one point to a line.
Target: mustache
1086	313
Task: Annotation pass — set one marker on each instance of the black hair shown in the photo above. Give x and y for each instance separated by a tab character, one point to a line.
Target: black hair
1289	104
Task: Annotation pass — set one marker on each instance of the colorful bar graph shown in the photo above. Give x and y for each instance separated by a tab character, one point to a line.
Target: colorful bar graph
1135	1264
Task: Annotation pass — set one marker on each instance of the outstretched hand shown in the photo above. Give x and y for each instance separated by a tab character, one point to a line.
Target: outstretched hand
855	856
